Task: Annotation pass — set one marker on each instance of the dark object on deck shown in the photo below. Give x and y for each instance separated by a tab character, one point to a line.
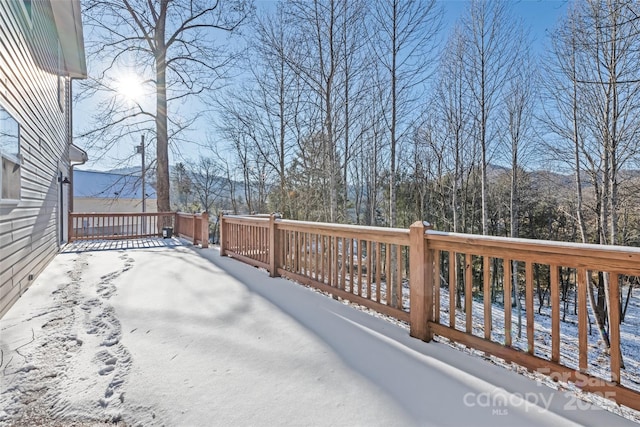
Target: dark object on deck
167	232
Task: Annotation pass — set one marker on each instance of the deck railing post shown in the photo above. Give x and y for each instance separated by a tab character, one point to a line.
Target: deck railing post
223	236
204	225
69	227
421	282
193	228
274	246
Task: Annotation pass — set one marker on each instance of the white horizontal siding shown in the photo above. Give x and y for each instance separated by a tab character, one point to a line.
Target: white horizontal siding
29	91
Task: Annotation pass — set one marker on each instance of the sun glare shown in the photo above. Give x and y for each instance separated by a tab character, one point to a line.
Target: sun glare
130	86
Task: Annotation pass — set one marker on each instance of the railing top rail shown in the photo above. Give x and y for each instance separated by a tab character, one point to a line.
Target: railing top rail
189	215
389	235
534	243
239	219
261	216
111	214
611	257
349	227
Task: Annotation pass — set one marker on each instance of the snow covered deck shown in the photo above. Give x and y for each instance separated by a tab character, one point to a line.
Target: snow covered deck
159	333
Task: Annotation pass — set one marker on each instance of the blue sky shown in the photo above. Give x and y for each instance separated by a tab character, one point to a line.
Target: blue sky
540	15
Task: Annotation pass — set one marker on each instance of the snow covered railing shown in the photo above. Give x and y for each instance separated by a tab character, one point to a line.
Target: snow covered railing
135	225
366	265
469	289
550	275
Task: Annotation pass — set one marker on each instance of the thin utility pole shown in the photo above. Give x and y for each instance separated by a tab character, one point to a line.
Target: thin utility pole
141	151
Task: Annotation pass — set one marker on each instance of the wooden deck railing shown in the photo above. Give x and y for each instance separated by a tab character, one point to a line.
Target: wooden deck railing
437	281
512	262
134	225
363	264
114	226
194	227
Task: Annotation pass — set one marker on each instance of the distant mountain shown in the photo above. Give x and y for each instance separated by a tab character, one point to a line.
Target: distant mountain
100	184
119	171
542	178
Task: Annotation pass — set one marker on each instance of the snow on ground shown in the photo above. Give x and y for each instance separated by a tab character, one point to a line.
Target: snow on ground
164	334
598	355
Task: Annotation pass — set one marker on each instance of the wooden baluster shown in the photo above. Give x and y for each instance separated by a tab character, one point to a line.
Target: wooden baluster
388	273
529	305
299	259
614	326
344	262
297	248
436	285
507	282
349	263
305	254
335	262
286	249
555	313
378	270
292	251
317	254
369	267
399	275
323	255
582	319
359	284
313	252
486	287
453	286
253	242
468	297
282	242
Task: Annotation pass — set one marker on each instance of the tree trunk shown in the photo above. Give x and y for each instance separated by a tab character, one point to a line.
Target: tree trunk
598	314
162	137
516	296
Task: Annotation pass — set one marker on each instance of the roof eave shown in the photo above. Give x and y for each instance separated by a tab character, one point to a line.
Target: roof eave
68	19
77	155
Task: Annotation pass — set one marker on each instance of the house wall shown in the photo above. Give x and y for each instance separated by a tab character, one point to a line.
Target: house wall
29	84
95	204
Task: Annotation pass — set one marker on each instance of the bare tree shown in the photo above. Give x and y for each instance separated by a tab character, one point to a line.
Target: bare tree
276	100
316	59
492	55
596	58
519	108
453	107
354	83
519	114
207	183
403	41
173	44
563	114
181	187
